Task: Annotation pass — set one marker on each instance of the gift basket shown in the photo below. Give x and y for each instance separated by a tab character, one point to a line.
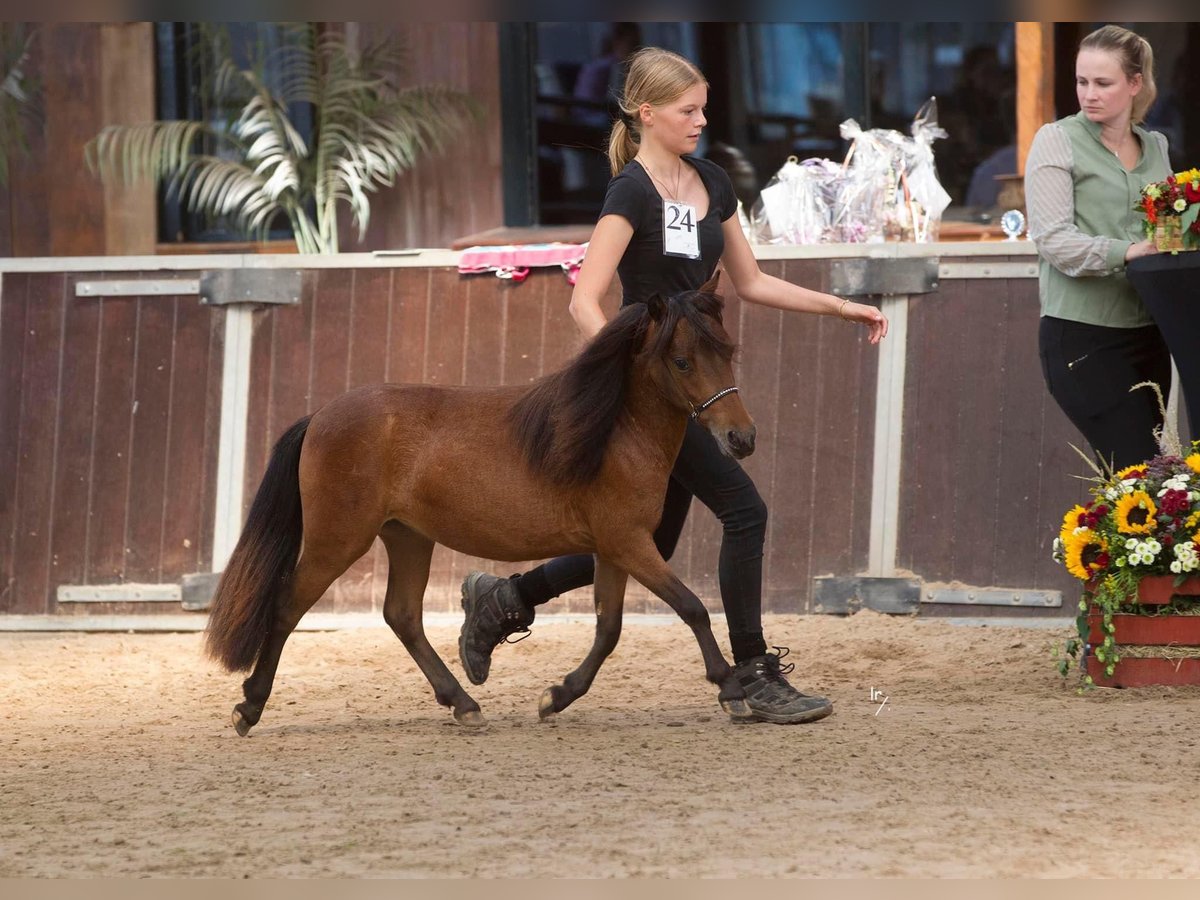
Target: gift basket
886	189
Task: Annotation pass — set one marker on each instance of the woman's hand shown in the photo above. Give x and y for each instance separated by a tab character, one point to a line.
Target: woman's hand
875	321
1141	248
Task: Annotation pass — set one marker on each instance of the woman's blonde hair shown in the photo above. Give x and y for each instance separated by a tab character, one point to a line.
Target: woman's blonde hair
1136	57
656	76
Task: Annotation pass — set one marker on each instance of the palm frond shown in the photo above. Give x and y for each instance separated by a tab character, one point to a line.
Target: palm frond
148	151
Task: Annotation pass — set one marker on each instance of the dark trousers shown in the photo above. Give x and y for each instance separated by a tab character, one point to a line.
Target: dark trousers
701	471
1089	370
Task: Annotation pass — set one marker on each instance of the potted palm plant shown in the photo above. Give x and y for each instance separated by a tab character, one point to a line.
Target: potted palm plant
257	167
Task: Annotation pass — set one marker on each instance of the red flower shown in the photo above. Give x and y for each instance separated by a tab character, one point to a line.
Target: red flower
1191	190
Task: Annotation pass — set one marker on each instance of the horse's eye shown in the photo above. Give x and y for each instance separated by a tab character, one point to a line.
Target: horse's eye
681	364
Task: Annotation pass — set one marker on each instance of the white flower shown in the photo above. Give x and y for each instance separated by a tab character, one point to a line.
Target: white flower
1131	543
1177	567
1179	205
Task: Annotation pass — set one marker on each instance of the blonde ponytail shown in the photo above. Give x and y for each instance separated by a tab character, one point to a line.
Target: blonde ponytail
622	146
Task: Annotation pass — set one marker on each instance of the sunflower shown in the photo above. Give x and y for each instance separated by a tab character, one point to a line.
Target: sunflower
1138	471
1135	513
1071	522
1193	462
1086	554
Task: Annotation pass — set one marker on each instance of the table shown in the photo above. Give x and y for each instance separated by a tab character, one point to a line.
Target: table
1169	284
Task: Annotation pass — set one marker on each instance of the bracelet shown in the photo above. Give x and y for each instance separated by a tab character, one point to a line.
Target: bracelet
842	309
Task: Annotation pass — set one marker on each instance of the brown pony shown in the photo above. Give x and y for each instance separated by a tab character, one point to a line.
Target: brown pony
576	463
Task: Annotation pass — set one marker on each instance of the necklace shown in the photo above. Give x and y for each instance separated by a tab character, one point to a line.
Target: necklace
674	195
1116	151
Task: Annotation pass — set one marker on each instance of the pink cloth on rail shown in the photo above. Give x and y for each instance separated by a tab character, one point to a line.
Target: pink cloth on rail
513	261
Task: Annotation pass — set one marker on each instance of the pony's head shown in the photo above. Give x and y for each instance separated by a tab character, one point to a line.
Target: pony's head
695	354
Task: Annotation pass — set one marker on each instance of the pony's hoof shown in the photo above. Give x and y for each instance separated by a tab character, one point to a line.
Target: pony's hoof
472	718
546	708
240	724
738	710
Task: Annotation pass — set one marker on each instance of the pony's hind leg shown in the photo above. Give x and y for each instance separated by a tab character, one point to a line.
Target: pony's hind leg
610	602
408	574
313	575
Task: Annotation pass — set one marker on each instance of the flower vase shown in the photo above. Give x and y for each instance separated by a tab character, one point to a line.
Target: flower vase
1157	649
1168	234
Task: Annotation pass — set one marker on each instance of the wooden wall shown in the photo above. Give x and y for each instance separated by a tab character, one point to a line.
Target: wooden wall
109	422
108	439
90	74
987	462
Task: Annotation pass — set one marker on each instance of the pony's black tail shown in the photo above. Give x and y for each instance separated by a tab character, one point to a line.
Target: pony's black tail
261	566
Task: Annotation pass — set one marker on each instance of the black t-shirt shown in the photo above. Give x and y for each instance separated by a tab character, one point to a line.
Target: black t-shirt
644	268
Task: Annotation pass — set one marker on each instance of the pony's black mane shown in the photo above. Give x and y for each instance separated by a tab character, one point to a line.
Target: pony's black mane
564	422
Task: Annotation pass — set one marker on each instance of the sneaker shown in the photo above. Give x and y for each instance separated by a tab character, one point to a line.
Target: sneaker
494	611
769	695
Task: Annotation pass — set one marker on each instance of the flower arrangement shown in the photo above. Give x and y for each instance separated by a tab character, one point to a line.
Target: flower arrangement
1142	520
1172	210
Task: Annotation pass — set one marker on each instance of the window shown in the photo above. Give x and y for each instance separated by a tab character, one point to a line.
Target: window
776	90
187	60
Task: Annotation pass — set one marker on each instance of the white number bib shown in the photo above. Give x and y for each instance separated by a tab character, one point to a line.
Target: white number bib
681	235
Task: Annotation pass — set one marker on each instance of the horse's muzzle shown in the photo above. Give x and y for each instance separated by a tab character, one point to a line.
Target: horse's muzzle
740	442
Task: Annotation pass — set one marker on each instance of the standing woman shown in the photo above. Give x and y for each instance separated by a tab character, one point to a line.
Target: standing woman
1083	179
656	181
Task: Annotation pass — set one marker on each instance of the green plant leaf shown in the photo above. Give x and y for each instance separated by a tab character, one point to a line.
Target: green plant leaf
367	132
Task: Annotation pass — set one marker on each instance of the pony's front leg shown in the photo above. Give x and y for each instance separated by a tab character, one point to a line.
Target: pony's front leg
648	567
610	602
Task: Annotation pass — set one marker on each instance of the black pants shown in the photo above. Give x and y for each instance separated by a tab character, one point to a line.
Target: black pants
1089	370
722	485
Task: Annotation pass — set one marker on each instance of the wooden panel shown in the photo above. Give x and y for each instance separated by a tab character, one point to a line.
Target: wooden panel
188	498
409	312
525	322
39	391
14	308
988	465
926	523
151	415
485	333
76	428
109	501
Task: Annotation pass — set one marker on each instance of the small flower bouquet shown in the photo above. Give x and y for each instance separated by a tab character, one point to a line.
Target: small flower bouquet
1142	521
1172	208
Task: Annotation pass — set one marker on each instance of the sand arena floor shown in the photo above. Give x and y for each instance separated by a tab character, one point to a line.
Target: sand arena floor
117	759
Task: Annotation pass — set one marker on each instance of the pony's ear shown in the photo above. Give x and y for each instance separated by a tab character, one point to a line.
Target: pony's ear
710	286
656	305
